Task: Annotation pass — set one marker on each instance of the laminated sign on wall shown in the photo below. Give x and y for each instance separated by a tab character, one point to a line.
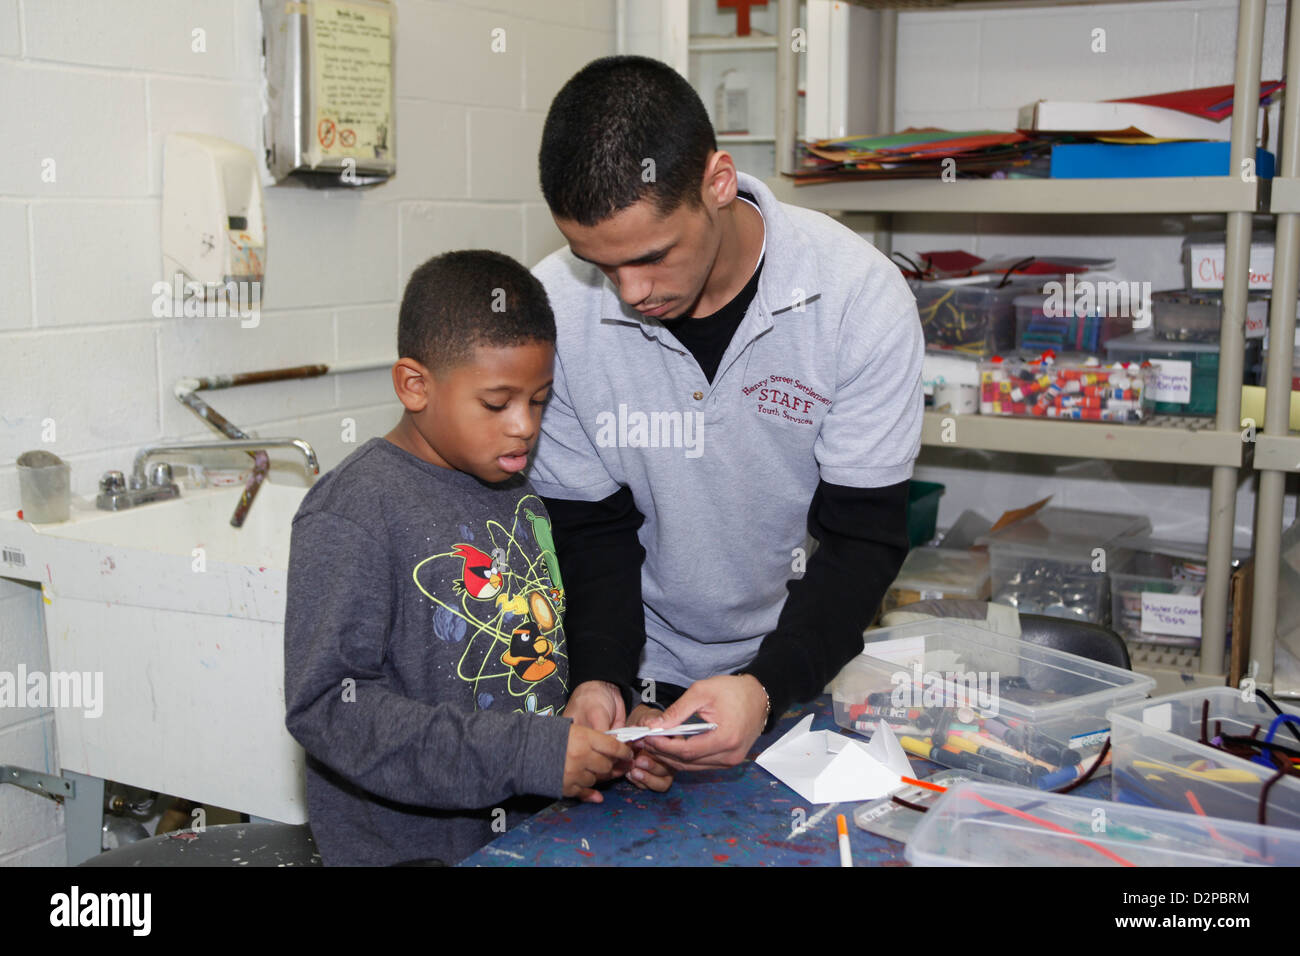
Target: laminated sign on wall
329	66
353	80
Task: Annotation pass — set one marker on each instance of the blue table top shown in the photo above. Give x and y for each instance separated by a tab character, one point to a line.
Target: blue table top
742	816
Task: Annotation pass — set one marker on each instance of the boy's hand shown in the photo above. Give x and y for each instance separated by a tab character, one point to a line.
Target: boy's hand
736	704
647	772
591	757
596	704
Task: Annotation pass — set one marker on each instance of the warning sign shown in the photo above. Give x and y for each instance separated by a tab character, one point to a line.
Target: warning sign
325	132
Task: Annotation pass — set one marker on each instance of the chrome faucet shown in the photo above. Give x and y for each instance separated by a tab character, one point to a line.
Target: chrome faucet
221	444
116	494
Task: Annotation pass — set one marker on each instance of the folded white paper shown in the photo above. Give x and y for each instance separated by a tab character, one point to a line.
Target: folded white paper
628	734
826	767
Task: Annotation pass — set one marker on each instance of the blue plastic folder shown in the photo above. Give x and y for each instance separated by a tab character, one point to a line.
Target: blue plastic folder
1119	161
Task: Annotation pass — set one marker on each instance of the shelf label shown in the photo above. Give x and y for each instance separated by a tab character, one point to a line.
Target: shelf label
1173	381
1178	614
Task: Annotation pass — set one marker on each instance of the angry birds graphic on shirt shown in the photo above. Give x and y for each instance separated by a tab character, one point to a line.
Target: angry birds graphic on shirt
498	592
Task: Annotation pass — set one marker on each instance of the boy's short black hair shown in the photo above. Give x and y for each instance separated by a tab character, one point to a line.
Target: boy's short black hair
468	298
613	115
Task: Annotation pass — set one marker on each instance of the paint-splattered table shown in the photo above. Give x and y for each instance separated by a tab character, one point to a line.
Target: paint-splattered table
741	816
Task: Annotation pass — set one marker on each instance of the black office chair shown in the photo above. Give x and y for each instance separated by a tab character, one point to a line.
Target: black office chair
1083	638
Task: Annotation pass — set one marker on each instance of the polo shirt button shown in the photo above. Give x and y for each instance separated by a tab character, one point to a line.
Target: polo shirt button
698	395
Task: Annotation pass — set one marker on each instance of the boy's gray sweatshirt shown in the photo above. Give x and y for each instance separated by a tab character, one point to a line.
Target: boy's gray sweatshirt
424	657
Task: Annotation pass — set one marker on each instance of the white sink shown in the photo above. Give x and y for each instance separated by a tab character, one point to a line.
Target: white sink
184	617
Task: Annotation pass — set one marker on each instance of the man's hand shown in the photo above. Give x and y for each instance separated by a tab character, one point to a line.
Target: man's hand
591	757
596	704
647	772
737	705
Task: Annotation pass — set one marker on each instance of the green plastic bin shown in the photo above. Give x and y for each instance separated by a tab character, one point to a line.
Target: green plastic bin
922	511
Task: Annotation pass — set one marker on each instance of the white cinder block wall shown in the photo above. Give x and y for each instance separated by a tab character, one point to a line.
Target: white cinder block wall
89	90
973	70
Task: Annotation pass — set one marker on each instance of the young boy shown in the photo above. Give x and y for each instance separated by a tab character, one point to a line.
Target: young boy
425	659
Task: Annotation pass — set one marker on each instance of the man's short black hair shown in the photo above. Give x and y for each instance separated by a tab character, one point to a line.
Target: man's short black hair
605	123
468	298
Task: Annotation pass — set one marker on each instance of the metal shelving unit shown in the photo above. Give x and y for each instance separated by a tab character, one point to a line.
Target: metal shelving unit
1213	442
1189	194
1193	441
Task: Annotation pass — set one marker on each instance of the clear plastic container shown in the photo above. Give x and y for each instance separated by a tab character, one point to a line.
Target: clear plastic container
1063	389
1157	599
1039	326
1159	761
983	824
1204	260
976	318
930	573
1187	377
1195	315
976	700
1057	561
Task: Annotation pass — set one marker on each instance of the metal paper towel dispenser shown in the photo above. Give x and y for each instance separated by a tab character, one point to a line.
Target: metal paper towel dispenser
329	79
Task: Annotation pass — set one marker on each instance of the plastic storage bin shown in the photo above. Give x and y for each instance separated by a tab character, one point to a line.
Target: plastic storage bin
1158	759
1044	563
922	511
930	573
977	318
1187	377
1195	315
983	824
1204	258
1047	388
1157	598
1040	326
976	700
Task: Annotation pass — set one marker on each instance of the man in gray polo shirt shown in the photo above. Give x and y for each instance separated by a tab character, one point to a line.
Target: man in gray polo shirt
731	372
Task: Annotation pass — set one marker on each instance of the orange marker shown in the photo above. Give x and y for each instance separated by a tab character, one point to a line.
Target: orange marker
842	828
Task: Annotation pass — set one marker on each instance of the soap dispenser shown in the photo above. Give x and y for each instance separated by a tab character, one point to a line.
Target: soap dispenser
214	226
